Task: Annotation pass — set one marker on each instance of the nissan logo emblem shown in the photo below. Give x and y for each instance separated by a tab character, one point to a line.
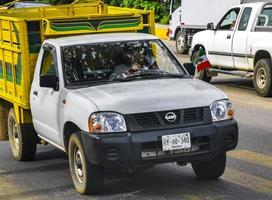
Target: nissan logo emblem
171	117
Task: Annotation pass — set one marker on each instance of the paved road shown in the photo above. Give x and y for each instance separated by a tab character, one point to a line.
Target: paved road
248	174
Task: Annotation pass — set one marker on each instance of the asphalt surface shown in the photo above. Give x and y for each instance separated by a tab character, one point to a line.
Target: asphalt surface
248	174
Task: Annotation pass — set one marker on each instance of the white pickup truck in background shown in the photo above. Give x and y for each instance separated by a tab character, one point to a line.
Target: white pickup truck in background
191	16
239	44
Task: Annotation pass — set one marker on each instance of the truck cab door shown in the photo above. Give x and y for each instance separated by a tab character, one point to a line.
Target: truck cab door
239	49
220	53
175	11
45	101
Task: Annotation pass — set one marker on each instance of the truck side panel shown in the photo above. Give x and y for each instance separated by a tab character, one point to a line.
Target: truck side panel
13	62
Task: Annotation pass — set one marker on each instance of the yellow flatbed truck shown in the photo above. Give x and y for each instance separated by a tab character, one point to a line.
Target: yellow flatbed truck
22	32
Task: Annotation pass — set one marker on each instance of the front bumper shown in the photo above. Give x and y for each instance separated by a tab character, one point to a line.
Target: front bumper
145	148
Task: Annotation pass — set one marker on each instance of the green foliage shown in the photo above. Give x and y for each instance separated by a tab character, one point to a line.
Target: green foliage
160	7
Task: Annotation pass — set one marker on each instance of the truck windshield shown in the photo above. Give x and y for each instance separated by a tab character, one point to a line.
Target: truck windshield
118	61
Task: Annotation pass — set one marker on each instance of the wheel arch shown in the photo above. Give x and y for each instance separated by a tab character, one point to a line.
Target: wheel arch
261	54
176	32
195	48
4	112
68	129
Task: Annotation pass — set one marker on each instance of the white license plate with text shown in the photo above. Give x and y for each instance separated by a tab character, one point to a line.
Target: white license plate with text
176	141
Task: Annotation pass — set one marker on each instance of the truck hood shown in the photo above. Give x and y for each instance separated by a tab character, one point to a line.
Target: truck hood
151	95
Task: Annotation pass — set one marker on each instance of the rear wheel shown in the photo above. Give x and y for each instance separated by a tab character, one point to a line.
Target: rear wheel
87	178
263	77
181	45
22	139
3	122
202	75
212	169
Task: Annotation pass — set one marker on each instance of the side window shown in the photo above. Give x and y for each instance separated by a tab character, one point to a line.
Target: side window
229	20
267	11
11	6
175	5
244	19
48	65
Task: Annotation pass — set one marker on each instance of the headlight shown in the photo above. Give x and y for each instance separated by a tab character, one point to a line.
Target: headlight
107	122
221	110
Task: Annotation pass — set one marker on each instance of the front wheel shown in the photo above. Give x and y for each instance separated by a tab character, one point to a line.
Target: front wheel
181	45
87	177
22	139
212	169
203	74
263	77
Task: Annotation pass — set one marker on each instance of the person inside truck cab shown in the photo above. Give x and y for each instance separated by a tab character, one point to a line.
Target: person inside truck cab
232	26
228	22
142	59
136	63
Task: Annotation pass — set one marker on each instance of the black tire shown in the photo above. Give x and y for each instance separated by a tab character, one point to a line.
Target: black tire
262	78
212	169
202	75
181	44
22	139
3	121
87	177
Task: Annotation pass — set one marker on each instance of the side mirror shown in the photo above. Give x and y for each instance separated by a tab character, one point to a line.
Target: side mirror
49	81
263	20
190	67
210	26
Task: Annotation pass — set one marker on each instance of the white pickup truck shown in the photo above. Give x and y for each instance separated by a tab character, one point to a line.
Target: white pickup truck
123	99
239	44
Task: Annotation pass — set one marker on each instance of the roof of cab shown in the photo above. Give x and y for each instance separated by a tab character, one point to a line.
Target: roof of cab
99	38
258	4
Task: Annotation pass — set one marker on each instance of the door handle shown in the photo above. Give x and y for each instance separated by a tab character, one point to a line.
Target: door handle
228	36
35	93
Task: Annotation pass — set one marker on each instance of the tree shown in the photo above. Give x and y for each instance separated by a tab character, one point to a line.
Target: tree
161	7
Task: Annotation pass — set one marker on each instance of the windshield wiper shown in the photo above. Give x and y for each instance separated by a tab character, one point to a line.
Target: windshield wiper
148	75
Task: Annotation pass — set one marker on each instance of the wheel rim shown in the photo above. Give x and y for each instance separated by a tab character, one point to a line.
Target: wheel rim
15	134
261	78
78	166
180	42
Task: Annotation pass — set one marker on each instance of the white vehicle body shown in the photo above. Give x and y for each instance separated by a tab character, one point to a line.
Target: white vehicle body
81	103
242	46
193	16
103	112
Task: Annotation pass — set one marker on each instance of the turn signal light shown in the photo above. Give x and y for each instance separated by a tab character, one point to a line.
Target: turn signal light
231	113
94	128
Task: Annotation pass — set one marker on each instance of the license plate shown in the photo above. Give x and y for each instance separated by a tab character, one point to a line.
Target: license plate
176	141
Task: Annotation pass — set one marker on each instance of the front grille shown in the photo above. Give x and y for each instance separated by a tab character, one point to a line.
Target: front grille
193	115
190	39
164	119
147	119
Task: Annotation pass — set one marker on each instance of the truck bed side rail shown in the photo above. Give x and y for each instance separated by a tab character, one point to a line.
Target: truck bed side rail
148	17
99	23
